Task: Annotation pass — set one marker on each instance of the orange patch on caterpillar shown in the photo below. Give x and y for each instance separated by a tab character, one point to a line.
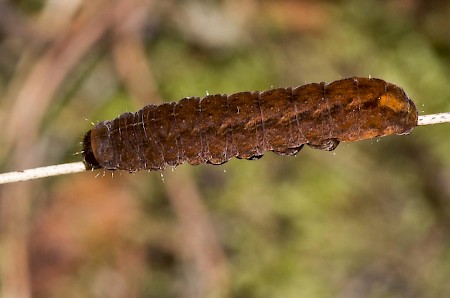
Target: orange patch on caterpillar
392	102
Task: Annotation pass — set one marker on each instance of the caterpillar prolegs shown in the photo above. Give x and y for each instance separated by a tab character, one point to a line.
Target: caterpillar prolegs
216	128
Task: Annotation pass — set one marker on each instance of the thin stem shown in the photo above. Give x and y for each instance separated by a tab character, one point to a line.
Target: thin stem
434	119
30	174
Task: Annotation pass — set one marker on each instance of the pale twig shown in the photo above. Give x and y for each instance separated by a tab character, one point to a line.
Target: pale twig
30	174
76	167
434	119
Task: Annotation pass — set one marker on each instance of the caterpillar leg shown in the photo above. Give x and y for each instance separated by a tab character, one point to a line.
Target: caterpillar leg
327	145
288	151
216	163
253	157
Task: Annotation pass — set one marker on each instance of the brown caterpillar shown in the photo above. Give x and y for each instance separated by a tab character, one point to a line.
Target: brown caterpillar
216	128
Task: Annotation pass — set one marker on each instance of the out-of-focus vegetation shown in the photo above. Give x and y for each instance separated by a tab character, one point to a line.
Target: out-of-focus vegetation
370	219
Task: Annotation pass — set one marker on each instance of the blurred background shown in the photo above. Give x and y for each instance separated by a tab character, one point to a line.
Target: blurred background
370	219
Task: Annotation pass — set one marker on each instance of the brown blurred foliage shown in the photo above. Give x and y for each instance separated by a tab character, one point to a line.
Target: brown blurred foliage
370	220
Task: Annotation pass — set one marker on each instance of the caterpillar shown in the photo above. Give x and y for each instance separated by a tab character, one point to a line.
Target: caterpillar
245	125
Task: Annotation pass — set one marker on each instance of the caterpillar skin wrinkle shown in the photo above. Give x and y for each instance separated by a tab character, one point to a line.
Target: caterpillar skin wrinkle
216	128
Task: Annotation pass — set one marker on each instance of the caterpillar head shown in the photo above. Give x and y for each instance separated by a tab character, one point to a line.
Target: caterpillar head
89	159
98	149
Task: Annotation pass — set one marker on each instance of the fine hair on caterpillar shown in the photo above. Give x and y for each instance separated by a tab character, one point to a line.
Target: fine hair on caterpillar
216	128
